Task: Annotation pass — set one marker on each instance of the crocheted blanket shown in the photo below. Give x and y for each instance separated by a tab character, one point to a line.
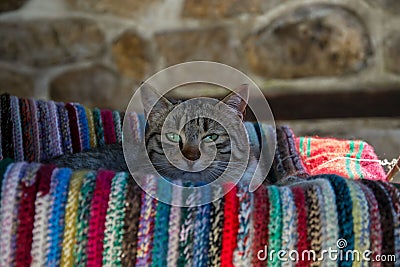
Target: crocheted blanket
52	216
37	130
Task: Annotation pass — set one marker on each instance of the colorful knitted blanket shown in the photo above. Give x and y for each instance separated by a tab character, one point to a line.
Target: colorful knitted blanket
304	156
55	216
37	130
52	216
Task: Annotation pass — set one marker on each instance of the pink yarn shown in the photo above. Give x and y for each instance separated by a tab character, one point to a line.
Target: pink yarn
371	170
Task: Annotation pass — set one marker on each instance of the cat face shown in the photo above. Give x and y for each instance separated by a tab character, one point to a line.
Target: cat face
183	140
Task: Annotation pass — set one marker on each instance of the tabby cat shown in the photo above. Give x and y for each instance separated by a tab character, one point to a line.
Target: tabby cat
203	146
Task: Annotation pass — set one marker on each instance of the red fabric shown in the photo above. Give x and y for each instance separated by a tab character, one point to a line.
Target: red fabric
331	156
231	225
372	170
302	244
45	173
26	214
74	127
98	213
261	221
108	125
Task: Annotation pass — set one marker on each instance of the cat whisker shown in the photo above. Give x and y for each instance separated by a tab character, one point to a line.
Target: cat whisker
230	163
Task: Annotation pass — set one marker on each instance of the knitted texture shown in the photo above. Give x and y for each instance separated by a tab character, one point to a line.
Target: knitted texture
58	200
261	221
64	128
55	217
109	128
217	224
83	127
114	231
375	223
231	225
302	244
347	158
252	137
314	234
386	214
297	168
394	194
17	130
202	231
55	130
132	205
9	211
6	127
329	218
174	227
27	130
186	233
242	254
74	127
98	124
287	161
1	143
38	130
83	218
71	212
275	223
26	213
344	206
42	206
117	126
5	164
160	247
289	223
360	221
30	175
146	224
92	130
98	213
36	135
134	125
45	139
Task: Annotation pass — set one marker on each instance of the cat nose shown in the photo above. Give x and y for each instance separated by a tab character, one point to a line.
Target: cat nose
191	153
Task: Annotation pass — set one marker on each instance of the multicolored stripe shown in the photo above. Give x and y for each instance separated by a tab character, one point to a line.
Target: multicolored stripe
54	214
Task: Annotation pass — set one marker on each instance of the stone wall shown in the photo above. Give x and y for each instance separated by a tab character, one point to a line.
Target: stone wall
97	51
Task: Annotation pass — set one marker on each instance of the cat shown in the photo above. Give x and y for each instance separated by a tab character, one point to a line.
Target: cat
191	157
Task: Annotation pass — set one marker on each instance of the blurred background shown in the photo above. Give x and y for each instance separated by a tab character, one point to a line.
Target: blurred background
326	67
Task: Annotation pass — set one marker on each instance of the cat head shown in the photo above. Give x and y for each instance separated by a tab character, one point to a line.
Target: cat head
183	140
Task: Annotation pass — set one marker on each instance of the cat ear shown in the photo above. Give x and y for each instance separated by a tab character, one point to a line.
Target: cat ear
238	99
152	100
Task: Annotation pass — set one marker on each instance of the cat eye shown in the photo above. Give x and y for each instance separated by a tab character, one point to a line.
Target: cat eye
173	137
210	138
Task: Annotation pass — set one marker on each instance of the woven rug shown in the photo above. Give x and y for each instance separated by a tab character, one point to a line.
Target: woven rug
51	216
55	216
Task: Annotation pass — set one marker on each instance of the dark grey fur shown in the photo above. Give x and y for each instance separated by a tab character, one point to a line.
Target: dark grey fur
110	157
